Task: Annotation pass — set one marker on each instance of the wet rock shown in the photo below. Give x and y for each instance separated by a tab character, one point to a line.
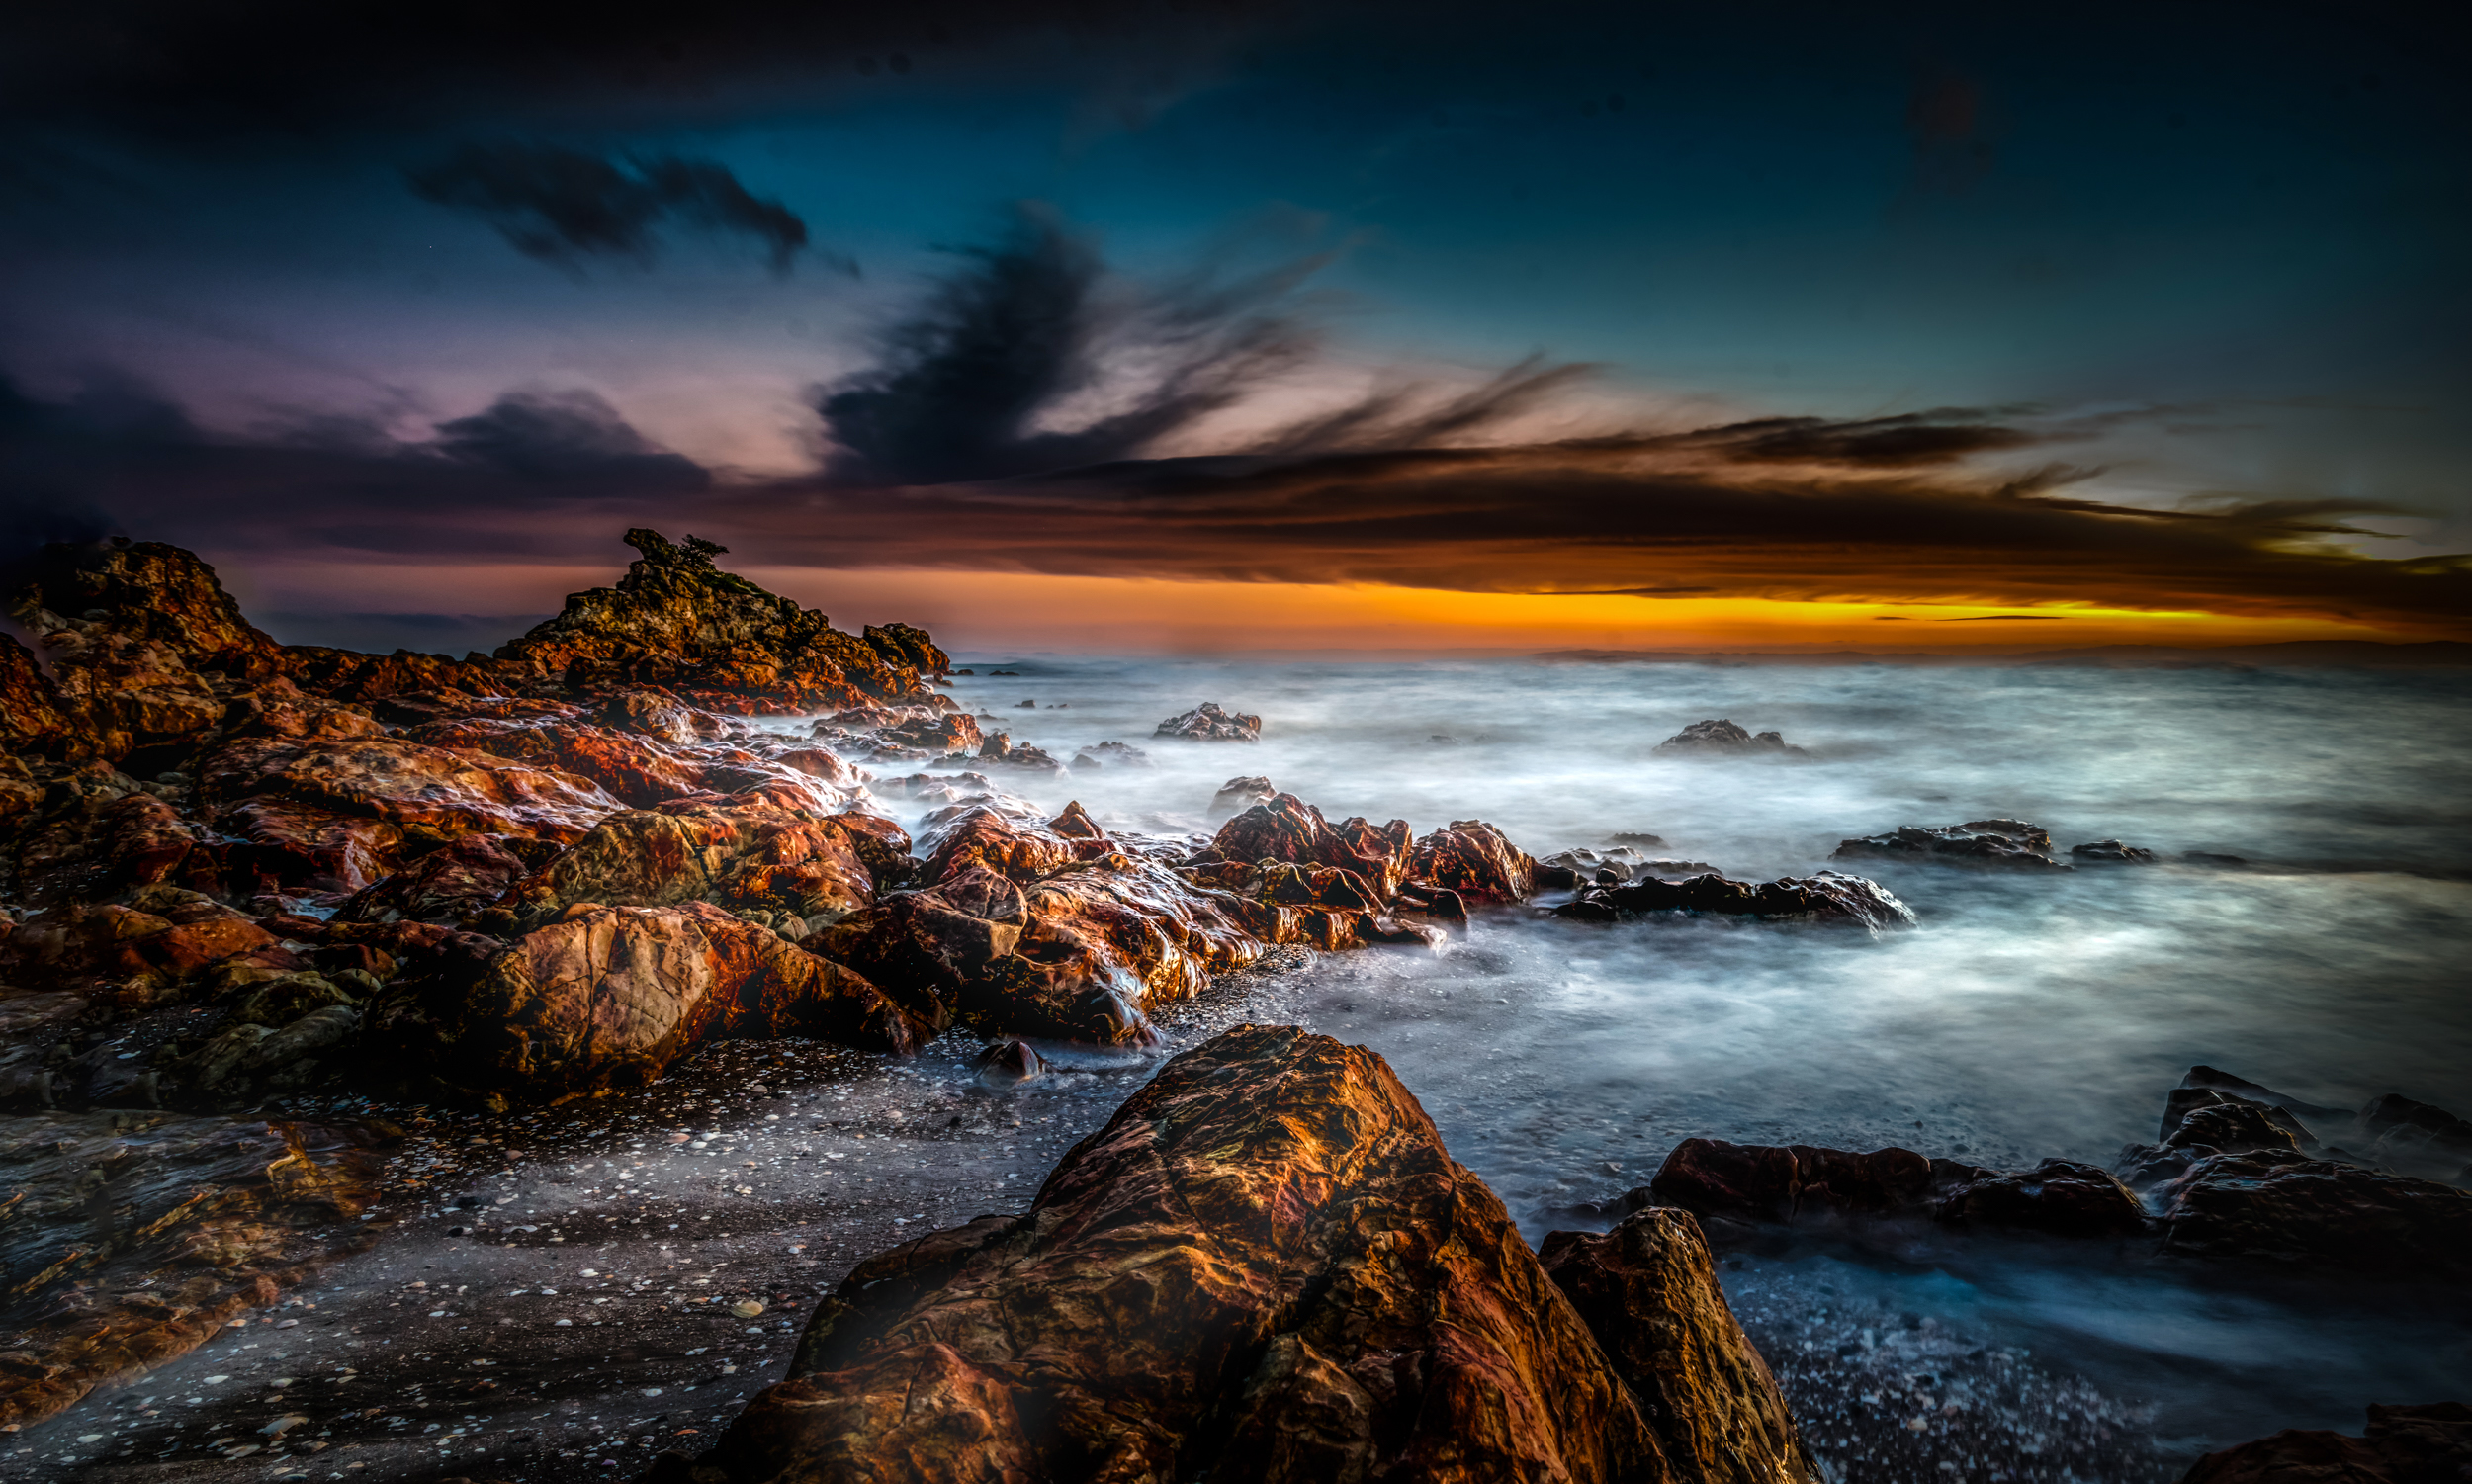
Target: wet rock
2282	1208
1647	1290
2225	1082
1826	897
1735	1186
1006	837
612	996
338	815
1266	1259
2410	1445
158	946
1103	945
2415	1135
1476	861
632	770
955	732
1010	1061
2204	1118
1722	738
1286	829
2057	1198
1113	755
1237	795
2009	844
924	947
2110	853
677	620
95	836
1209	722
33	719
133	1236
908	645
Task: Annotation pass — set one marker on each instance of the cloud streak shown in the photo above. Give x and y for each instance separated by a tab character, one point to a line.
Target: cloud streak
565	205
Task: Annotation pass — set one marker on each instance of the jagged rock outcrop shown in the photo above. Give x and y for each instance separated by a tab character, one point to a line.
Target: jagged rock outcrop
676	620
2413	1445
1998	844
609	996
1286	829
1826	897
1718	738
1476	861
1265	1261
1210	722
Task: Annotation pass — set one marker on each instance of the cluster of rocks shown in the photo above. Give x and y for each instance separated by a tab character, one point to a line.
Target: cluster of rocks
2232	1179
1210	722
1990	844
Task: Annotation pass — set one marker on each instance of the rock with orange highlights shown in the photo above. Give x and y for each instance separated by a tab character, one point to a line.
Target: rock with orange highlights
632	770
155	947
1210	722
610	996
1475	860
739	852
446	885
677	620
1286	829
1267	1257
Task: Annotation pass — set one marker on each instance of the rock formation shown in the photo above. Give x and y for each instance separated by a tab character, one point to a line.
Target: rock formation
1267	1265
1207	722
1829	896
1998	844
1718	737
2424	1445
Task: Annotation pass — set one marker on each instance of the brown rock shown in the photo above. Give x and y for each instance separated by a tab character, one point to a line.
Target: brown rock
2425	1444
1797	1183
1266	1260
34	722
1237	795
961	836
612	996
446	885
1473	860
1287	829
631	768
167	939
1647	1290
1208	722
739	854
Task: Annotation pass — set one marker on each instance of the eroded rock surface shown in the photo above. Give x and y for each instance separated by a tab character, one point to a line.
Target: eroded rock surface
1210	722
1267	1265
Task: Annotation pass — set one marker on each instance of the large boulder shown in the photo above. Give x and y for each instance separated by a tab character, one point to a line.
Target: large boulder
2057	1198
677	620
610	996
2282	1208
1210	722
2423	1444
1718	738
1995	845
1825	897
1286	829
1267	1261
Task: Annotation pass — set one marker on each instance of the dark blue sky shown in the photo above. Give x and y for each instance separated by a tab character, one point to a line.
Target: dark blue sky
2221	246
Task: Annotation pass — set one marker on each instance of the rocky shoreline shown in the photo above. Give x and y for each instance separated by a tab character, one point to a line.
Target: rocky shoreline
279	918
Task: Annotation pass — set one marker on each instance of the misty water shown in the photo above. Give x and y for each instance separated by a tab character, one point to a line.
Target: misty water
2032	1016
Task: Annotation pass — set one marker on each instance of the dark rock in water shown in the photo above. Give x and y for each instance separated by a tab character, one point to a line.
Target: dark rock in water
1209	722
2225	1082
1647	1290
2208	858
1266	1258
1030	705
1827	897
1112	755
2284	1208
2227	1124
2110	853
1995	844
2415	1445
1010	1061
1237	795
1636	840
1799	1184
1476	861
2413	1133
1718	737
2057	1198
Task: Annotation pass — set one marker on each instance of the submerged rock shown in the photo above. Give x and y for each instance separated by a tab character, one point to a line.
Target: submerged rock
1110	755
2110	853
1722	738
1266	1258
2009	844
1207	722
2416	1134
1826	897
1237	795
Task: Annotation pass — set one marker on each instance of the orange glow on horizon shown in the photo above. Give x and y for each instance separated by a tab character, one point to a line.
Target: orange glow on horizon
1027	611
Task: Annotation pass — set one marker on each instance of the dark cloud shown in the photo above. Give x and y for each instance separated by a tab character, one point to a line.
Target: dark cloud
960	389
563	205
560	437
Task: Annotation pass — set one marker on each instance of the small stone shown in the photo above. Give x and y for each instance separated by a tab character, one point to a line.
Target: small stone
746	1308
561	1324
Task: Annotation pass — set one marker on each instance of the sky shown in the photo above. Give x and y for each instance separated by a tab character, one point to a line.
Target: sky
1115	325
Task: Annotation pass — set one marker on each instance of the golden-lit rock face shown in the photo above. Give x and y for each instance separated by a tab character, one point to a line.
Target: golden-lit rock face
1267	1265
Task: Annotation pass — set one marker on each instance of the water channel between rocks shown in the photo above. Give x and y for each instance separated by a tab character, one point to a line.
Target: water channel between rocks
560	1295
